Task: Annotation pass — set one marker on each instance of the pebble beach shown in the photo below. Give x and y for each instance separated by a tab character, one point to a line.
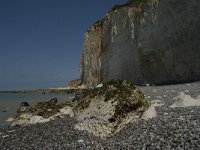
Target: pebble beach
171	128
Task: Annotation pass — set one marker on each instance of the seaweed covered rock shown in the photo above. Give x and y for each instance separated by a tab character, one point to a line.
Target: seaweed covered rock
41	112
104	111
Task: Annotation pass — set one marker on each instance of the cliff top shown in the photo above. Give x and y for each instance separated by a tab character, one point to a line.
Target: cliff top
131	3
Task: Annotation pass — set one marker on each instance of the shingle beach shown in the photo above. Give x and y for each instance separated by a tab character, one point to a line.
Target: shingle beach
172	128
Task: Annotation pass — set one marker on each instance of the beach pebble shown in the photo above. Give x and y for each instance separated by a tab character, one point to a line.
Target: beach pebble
81	141
11	131
159	97
4	136
10	119
155	91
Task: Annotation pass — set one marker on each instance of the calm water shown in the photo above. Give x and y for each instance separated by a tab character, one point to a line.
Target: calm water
11	101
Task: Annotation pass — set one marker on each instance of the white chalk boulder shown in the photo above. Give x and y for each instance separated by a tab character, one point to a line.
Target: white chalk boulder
105	110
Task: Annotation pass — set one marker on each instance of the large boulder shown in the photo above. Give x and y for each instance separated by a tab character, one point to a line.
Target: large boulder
104	111
145	42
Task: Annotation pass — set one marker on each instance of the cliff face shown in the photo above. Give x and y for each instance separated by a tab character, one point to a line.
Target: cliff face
90	59
144	41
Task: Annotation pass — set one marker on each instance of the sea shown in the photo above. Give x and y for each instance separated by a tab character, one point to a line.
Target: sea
10	102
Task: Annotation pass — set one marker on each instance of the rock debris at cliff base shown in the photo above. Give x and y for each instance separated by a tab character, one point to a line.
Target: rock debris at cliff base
172	128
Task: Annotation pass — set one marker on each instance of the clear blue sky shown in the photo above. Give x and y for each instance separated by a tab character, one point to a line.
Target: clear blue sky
41	40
